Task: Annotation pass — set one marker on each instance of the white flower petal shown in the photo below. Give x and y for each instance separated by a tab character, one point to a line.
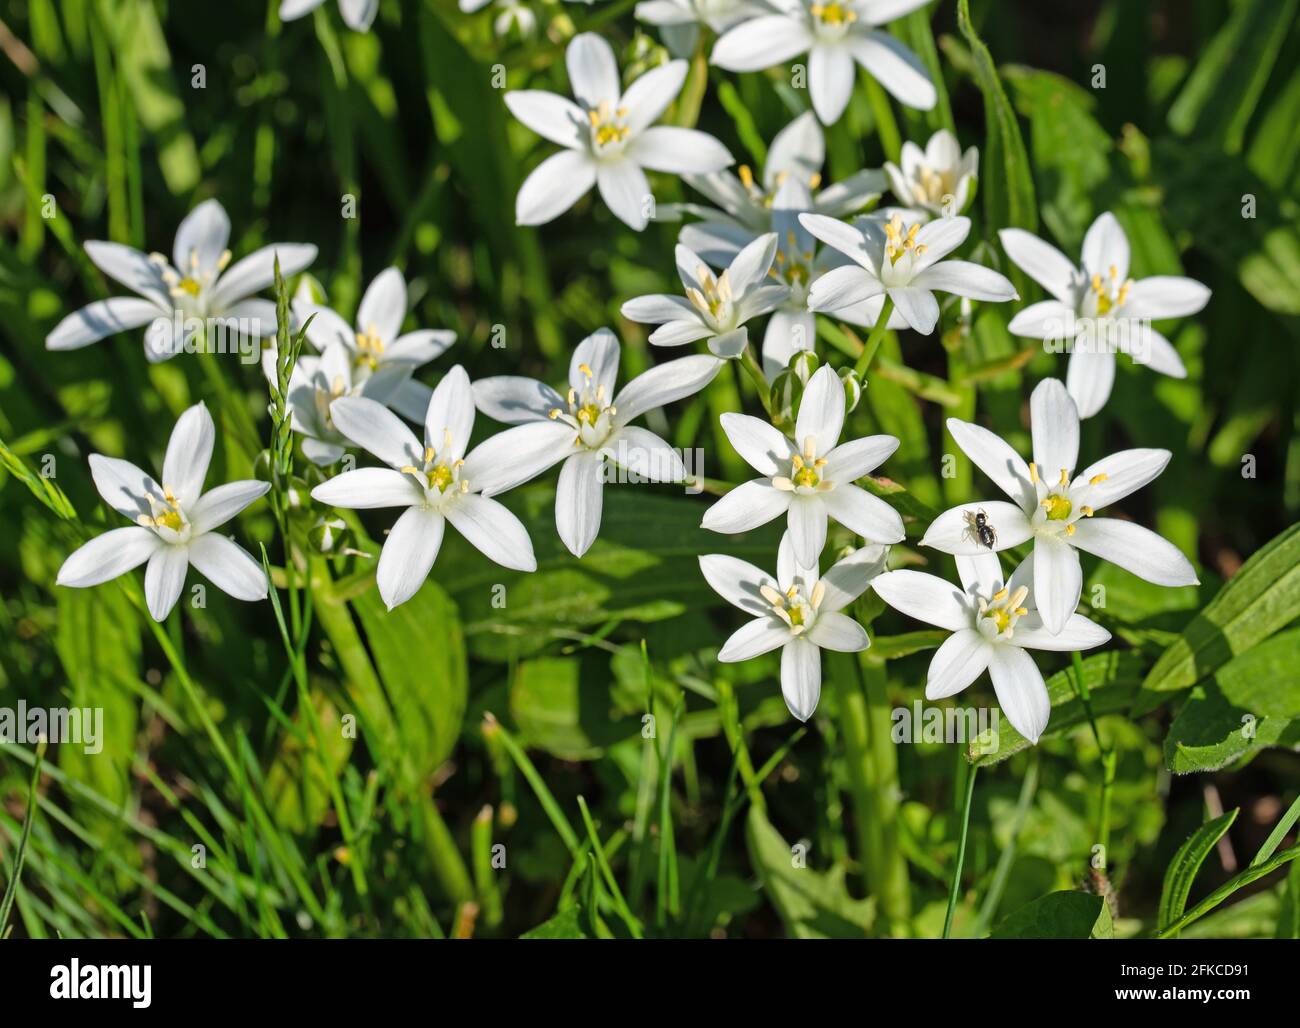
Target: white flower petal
964	278
201	239
375	428
1135	549
358	15
843	287
1104	247
917	306
106	556
514	400
578	501
679	151
229	567
940	237
788	332
849	577
1125	472
679	333
821	411
1165	296
1049	319
860	512
217	506
256	272
449	419
132	268
926	598
830	81
650	94
1044	263
596	356
643	453
367	489
801	677
593	72
1089	378
626	192
1022	694
995	458
554	186
843	237
164	578
419	347
408	554
517	455
1054	422
762	42
765	449
858	457
494	531
189	452
102	318
1078	634
807	529
665	384
835	631
797	152
551	116
737	581
753	639
895	67
1157	353
1058	581
951	533
960	660
981	572
750	267
658	309
383	307
747	506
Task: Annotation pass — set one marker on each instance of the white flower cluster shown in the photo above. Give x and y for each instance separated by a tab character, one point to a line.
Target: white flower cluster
778	246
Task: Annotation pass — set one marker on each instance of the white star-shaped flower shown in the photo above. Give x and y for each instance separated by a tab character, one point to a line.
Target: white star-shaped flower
1099	309
834	34
938	180
799	611
586	428
198	283
436	482
993	623
175	523
715	308
609	137
809	479
1054	506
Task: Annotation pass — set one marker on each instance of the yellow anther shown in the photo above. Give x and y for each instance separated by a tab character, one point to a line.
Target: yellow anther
1033	474
1021	611
1086	511
223	260
746	176
815	180
1065	476
1000	595
585	369
553	413
1098	479
1069	530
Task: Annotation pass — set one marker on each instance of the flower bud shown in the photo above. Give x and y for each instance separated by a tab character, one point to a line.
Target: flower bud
803	364
327	535
852	389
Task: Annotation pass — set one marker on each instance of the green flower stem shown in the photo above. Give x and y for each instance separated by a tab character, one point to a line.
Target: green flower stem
872	764
697	81
1108	755
874	340
961	851
11	890
755	371
367	695
886	127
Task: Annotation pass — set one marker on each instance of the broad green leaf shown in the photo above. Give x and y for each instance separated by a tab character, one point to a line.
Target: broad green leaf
297	790
1005	177
812	904
1182	870
1219	97
1112	679
567	924
1261	598
563	705
98	643
147	65
419	655
1059	915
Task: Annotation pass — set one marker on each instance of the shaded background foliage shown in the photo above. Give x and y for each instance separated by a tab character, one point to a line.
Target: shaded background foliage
484	726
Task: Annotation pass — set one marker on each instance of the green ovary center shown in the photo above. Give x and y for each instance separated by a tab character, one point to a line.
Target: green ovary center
807	476
1058	507
834	13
